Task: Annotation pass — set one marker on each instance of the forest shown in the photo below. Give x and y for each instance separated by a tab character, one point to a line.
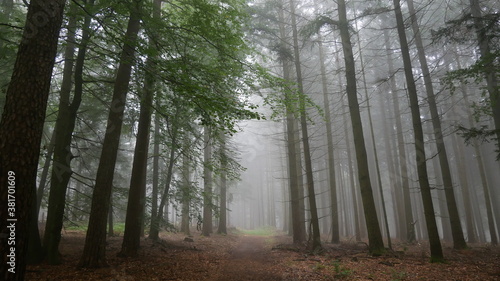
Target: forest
250	140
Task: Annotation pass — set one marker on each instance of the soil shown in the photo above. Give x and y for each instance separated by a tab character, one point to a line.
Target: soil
247	257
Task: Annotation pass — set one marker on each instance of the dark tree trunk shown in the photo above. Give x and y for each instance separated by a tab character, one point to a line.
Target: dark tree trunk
65	124
451	203
316	239
207	184
134	221
156	221
408	221
376	243
297	224
45	172
21	131
334	213
425	189
156	178
222	229
94	252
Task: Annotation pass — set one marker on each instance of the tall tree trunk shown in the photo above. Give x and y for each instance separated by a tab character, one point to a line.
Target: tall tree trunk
64	127
94	252
134	220
156	221
297	225
316	239
185	194
207	184
372	136
350	162
21	130
409	222
425	189
222	229
45	172
156	176
376	243
331	159
451	203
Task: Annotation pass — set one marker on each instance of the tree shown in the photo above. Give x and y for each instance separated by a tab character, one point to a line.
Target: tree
21	131
94	253
137	192
64	127
316	239
456	228
222	229
376	244
425	189
207	184
409	223
331	159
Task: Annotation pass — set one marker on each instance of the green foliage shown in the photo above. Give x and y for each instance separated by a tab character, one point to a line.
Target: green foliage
398	275
476	74
261	231
340	271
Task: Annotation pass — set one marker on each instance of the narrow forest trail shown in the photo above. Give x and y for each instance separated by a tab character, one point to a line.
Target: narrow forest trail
249	259
240	256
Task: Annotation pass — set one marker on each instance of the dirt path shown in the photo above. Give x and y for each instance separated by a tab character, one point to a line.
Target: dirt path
237	257
249	259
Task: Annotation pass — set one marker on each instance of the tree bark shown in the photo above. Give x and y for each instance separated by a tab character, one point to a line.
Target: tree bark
316	239
21	130
409	223
207	184
425	189
222	229
134	220
94	252
296	222
376	243
451	203
64	127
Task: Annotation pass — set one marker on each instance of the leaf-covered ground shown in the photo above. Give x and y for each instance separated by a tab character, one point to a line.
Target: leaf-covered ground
253	256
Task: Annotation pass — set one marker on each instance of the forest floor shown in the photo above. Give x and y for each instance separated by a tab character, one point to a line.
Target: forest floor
257	256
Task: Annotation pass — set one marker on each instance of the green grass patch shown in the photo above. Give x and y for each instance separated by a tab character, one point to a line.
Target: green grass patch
118	228
262	231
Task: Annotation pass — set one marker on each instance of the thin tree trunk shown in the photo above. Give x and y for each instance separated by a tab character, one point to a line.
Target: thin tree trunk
451	203
331	159
207	184
45	172
134	220
376	243
222	229
295	218
61	168
185	194
409	222
94	252
316	239
372	135
156	176
21	129
425	189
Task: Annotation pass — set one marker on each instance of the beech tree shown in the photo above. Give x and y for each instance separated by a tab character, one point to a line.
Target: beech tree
94	253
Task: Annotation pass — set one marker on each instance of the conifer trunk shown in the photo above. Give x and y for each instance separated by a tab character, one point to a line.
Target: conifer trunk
423	179
376	243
